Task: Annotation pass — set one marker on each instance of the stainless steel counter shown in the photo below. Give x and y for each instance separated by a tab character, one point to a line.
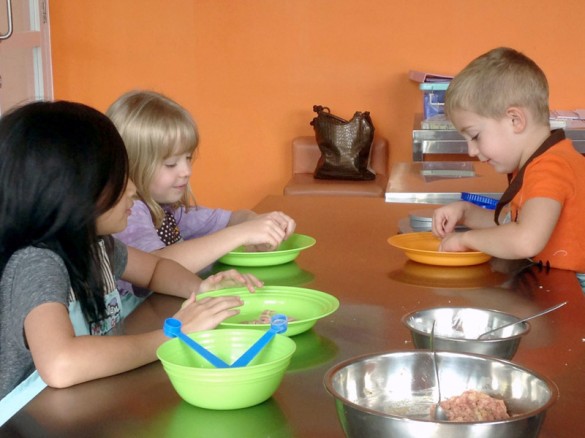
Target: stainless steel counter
429	142
376	285
442	182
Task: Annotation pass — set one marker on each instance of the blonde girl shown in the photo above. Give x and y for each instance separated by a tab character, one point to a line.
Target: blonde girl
161	138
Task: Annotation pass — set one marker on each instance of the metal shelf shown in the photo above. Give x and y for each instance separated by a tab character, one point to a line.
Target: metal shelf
428	142
407	184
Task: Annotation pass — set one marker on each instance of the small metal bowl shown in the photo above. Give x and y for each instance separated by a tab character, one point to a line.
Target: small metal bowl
457	329
391	394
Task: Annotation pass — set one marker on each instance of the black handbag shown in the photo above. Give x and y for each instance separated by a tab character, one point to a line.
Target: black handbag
344	144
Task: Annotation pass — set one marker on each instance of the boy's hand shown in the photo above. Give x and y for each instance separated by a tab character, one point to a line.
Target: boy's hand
453	242
446	218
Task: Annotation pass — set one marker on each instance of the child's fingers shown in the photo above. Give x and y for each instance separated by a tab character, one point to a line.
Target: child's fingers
207	313
189	300
284	221
440	224
441	228
230	278
252	282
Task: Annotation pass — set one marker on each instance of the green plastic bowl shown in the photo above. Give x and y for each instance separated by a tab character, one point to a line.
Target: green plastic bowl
201	384
305	306
286	252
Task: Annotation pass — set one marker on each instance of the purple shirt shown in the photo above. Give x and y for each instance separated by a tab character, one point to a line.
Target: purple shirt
193	222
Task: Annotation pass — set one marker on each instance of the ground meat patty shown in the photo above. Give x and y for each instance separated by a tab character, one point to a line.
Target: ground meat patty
265	318
474	406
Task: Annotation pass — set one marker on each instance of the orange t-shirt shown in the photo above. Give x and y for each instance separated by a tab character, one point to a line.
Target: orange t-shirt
559	174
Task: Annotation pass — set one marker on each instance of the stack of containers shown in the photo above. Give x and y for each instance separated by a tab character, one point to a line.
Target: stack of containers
433	98
434	86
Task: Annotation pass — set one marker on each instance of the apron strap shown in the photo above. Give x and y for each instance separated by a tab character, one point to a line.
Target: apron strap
16	399
516	184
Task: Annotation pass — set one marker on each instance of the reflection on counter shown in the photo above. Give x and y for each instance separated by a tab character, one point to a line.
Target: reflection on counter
288	274
312	350
476	276
263	420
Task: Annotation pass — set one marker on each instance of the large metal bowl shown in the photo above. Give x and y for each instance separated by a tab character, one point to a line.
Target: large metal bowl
391	394
457	329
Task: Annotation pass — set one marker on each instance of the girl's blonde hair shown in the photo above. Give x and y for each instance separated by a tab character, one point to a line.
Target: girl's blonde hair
496	81
153	127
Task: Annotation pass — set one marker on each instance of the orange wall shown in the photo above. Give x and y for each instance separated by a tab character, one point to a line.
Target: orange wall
251	70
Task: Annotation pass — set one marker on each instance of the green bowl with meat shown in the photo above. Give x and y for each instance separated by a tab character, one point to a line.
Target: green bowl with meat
303	307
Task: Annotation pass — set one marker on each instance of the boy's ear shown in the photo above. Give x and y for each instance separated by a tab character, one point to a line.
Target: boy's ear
517	117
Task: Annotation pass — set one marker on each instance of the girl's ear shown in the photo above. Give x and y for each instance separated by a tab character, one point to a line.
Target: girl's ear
517	118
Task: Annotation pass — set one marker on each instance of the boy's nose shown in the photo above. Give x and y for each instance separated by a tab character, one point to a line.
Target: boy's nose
472	151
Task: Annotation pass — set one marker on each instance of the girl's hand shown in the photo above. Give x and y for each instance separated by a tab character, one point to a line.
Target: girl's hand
230	278
207	313
267	231
286	222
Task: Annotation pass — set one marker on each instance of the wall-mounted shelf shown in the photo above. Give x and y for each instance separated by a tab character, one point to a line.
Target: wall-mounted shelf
430	144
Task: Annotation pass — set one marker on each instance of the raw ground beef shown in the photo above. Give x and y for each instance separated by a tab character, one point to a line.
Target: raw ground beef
265	318
474	406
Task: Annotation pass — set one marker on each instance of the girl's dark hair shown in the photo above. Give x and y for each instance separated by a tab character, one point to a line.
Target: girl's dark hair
62	164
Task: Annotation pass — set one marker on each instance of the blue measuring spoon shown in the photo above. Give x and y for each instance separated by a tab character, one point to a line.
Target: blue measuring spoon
278	324
172	329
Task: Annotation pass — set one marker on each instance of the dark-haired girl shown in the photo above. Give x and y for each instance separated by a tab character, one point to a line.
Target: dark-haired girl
64	189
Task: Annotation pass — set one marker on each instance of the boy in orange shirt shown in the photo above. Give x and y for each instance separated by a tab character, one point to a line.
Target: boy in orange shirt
499	103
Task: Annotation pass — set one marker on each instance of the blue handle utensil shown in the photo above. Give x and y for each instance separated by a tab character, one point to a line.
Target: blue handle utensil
480	200
278	324
172	329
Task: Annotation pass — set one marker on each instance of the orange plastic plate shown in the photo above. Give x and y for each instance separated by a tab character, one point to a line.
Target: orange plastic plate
423	248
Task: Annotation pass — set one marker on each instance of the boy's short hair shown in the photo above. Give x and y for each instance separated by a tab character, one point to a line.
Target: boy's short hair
153	127
496	81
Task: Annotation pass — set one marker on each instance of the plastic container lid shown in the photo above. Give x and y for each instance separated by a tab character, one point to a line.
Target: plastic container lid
418	216
482	201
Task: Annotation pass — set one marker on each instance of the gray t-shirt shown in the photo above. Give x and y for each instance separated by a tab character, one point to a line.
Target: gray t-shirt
33	276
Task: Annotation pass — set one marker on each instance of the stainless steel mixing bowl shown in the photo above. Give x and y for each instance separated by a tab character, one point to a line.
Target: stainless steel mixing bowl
457	329
391	394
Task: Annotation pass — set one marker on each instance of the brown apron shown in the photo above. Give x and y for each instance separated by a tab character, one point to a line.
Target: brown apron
514	187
